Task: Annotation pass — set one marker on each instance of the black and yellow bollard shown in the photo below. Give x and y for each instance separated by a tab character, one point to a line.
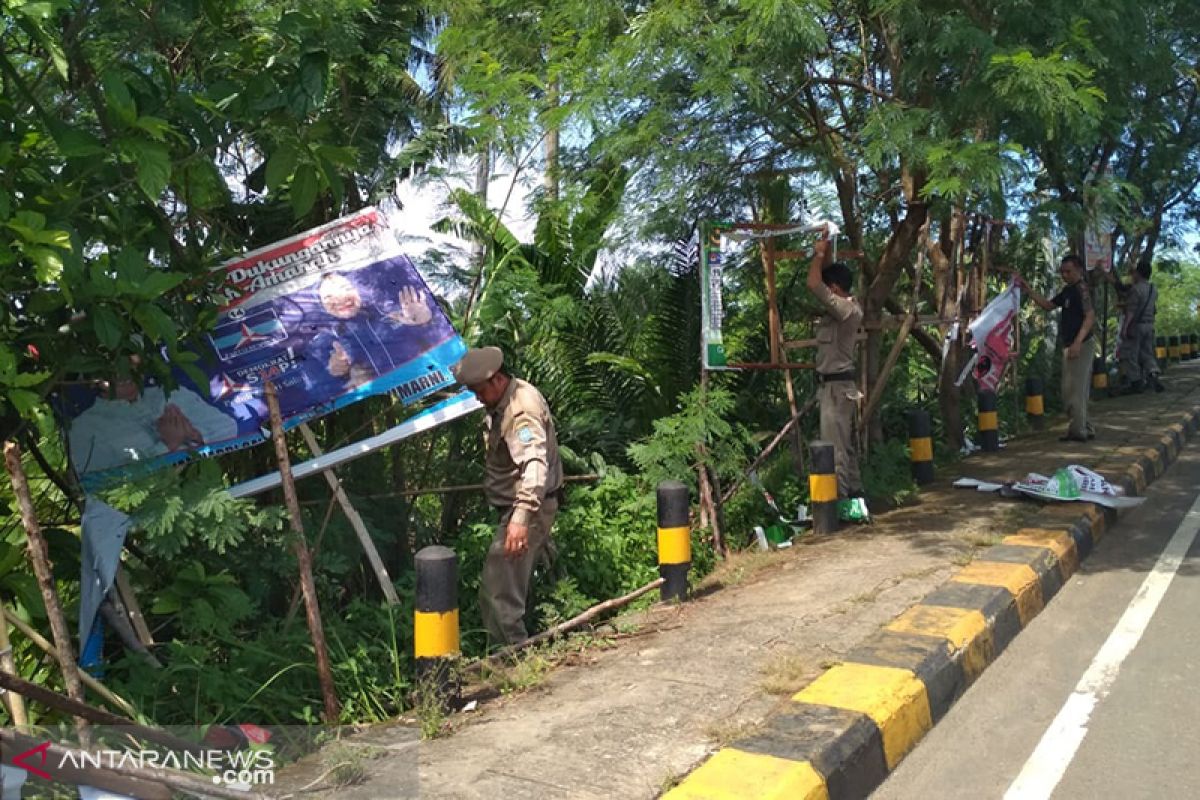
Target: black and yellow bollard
1160	350
435	622
920	445
1099	378
1035	403
1173	348
674	540
823	487
1191	340
989	423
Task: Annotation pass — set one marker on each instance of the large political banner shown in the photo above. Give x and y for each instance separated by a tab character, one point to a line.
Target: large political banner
330	316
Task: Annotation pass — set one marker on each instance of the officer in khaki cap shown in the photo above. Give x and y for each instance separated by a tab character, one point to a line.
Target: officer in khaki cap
523	482
838	390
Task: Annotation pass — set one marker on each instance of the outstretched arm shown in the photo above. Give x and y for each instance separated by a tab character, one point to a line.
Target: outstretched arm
1034	295
822	257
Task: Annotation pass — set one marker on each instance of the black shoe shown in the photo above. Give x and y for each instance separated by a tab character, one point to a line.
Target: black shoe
1070	438
1158	385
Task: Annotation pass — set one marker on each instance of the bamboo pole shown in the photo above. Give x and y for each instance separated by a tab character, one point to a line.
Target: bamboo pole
40	558
40	642
766	451
312	608
13	702
571	624
462	487
129	599
60	702
356	522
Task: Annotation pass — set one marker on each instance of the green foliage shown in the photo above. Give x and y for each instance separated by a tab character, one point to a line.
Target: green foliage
698	434
174	507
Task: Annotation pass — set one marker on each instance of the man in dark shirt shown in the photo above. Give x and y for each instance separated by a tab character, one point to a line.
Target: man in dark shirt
1075	337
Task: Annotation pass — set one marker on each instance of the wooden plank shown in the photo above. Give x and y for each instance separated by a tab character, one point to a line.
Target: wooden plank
312	608
356	522
13	702
39	556
136	618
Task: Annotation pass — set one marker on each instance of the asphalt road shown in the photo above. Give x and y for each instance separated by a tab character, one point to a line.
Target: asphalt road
1100	696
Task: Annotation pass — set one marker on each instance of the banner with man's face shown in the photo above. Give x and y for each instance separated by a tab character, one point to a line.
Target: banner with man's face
330	316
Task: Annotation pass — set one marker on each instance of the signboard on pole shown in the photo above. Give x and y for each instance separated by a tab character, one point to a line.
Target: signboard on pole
330	316
711	307
1097	246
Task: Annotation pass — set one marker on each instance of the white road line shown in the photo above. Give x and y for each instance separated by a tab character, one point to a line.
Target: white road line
1045	768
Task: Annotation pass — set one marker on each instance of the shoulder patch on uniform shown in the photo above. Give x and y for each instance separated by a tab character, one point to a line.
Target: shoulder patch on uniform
525	435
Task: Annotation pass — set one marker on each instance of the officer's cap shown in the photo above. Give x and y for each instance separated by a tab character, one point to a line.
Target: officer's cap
479	364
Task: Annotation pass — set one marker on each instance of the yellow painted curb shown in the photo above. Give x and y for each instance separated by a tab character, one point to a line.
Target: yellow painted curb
894	698
737	775
1020	580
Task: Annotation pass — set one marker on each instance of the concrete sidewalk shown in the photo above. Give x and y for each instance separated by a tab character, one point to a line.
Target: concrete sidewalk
630	720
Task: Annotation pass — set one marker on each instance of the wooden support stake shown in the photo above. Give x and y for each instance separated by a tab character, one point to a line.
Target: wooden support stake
39	556
13	702
129	599
312	609
356	522
774	328
40	642
60	702
770	448
571	624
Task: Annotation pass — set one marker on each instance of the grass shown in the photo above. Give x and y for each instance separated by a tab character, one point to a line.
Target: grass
344	764
737	568
786	674
726	732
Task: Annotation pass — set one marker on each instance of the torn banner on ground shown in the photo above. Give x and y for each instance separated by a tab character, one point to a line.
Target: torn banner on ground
1069	484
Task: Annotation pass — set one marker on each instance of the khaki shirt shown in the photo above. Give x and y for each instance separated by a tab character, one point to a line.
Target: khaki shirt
836	332
522	461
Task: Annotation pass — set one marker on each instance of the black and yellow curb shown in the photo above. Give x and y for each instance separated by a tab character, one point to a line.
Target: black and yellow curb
843	733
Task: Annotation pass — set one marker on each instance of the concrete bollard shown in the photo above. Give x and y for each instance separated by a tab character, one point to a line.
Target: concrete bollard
674	540
1173	348
1160	349
1099	378
989	423
823	487
920	445
435	622
1035	403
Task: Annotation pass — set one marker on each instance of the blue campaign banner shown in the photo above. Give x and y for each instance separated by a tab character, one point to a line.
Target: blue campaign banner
330	316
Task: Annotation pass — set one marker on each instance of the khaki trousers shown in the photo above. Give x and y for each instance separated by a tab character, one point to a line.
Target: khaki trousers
1137	354
1077	386
504	588
839	402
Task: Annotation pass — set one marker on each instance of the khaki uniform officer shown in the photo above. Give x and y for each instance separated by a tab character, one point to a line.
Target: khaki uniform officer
838	392
523	482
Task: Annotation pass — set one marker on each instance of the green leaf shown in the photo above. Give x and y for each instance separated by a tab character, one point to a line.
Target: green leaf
304	190
153	169
314	71
107	326
166	604
48	264
280	166
120	101
23	400
76	142
159	283
157	128
5	204
154	321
